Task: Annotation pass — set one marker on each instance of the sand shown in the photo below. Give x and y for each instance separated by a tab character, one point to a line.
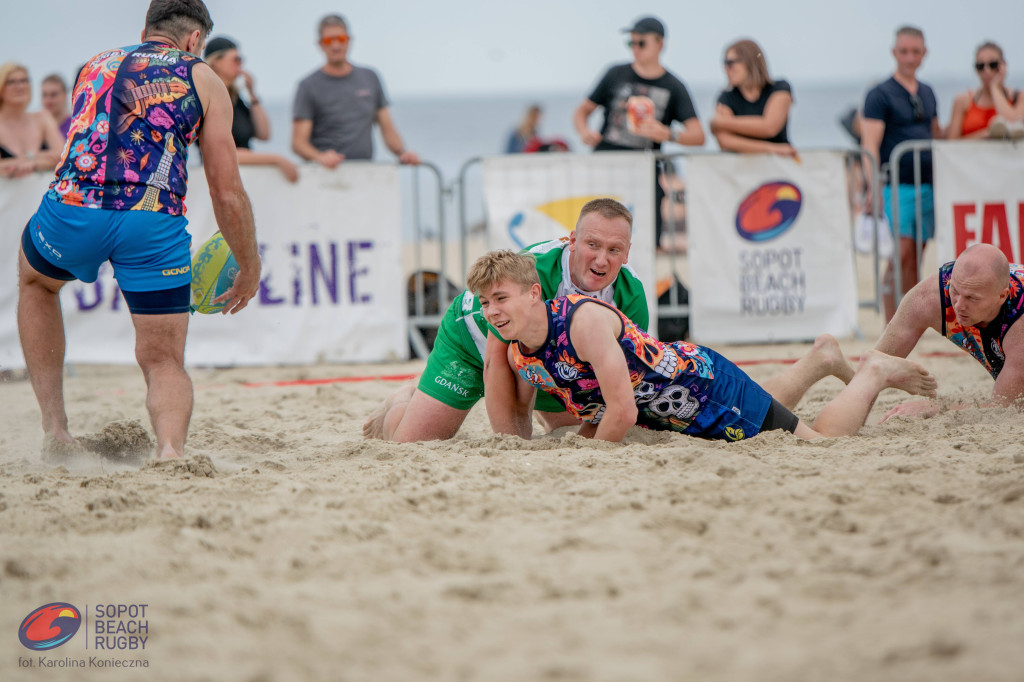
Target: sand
287	548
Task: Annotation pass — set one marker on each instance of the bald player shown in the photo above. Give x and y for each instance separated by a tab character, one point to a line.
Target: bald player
974	302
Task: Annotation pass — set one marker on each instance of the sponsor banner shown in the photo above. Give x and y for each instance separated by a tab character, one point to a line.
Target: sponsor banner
979	197
328	292
771	257
535	197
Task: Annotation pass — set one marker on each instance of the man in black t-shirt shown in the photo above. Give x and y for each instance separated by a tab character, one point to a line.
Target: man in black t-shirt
898	109
640	101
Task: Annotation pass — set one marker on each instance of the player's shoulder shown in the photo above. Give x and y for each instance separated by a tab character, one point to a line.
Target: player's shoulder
548	254
925	299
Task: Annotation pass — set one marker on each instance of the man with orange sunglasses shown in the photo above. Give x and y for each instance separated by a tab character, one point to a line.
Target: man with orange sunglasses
336	106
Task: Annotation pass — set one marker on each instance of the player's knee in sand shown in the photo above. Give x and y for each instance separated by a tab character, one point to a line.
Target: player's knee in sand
409	415
385	417
556	420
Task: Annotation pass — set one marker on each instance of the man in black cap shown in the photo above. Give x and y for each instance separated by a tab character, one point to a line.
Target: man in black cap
641	100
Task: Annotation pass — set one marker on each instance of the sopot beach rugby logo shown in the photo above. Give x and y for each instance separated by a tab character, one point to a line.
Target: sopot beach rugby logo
768	211
49	626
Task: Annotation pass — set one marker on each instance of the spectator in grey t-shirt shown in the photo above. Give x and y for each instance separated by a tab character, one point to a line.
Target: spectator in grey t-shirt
336	106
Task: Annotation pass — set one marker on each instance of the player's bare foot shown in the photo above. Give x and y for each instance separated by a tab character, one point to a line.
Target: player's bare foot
826	350
58	447
899	373
373	427
169	452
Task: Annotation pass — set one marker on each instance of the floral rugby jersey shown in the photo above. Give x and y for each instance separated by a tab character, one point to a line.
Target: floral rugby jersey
136	111
984	343
671	381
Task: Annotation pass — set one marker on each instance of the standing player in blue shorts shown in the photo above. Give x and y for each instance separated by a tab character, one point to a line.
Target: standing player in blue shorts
613	375
119	195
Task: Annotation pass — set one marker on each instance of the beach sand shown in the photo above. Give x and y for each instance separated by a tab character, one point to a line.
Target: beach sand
285	547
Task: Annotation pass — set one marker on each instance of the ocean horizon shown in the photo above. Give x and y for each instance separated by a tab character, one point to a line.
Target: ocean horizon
449	129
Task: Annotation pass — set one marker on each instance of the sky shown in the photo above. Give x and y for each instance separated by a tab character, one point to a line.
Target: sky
484	48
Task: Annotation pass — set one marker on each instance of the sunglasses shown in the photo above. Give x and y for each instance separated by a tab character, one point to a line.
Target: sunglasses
915	101
327	41
730	62
980	66
637	43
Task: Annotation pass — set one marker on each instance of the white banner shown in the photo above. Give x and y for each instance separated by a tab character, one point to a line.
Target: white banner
770	248
535	197
979	197
331	289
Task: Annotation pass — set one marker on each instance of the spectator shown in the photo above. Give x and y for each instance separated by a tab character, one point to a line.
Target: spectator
899	109
337	105
641	100
993	110
54	93
752	116
525	132
29	141
250	120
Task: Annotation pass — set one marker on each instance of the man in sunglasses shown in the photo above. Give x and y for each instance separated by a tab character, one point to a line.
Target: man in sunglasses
336	106
898	109
641	100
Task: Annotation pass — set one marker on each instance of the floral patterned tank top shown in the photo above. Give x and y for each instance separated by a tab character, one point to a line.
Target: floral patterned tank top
135	113
671	381
984	343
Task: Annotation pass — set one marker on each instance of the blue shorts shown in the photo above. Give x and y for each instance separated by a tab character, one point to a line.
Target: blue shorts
148	251
736	408
908	211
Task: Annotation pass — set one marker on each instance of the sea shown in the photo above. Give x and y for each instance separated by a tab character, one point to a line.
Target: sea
451	131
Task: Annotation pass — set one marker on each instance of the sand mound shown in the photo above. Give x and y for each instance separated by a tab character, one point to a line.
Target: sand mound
125	441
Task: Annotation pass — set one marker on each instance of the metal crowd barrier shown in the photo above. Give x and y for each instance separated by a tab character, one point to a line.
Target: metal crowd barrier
914	147
423	316
674	307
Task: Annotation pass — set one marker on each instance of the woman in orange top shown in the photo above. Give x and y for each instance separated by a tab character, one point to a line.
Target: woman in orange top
974	110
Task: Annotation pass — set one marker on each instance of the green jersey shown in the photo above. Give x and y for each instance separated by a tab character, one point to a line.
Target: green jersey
626	293
454	371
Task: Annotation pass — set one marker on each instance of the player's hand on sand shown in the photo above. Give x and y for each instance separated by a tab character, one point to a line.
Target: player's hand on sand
918	409
330	158
246	285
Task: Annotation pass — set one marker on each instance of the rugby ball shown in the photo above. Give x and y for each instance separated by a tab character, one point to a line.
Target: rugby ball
213	272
